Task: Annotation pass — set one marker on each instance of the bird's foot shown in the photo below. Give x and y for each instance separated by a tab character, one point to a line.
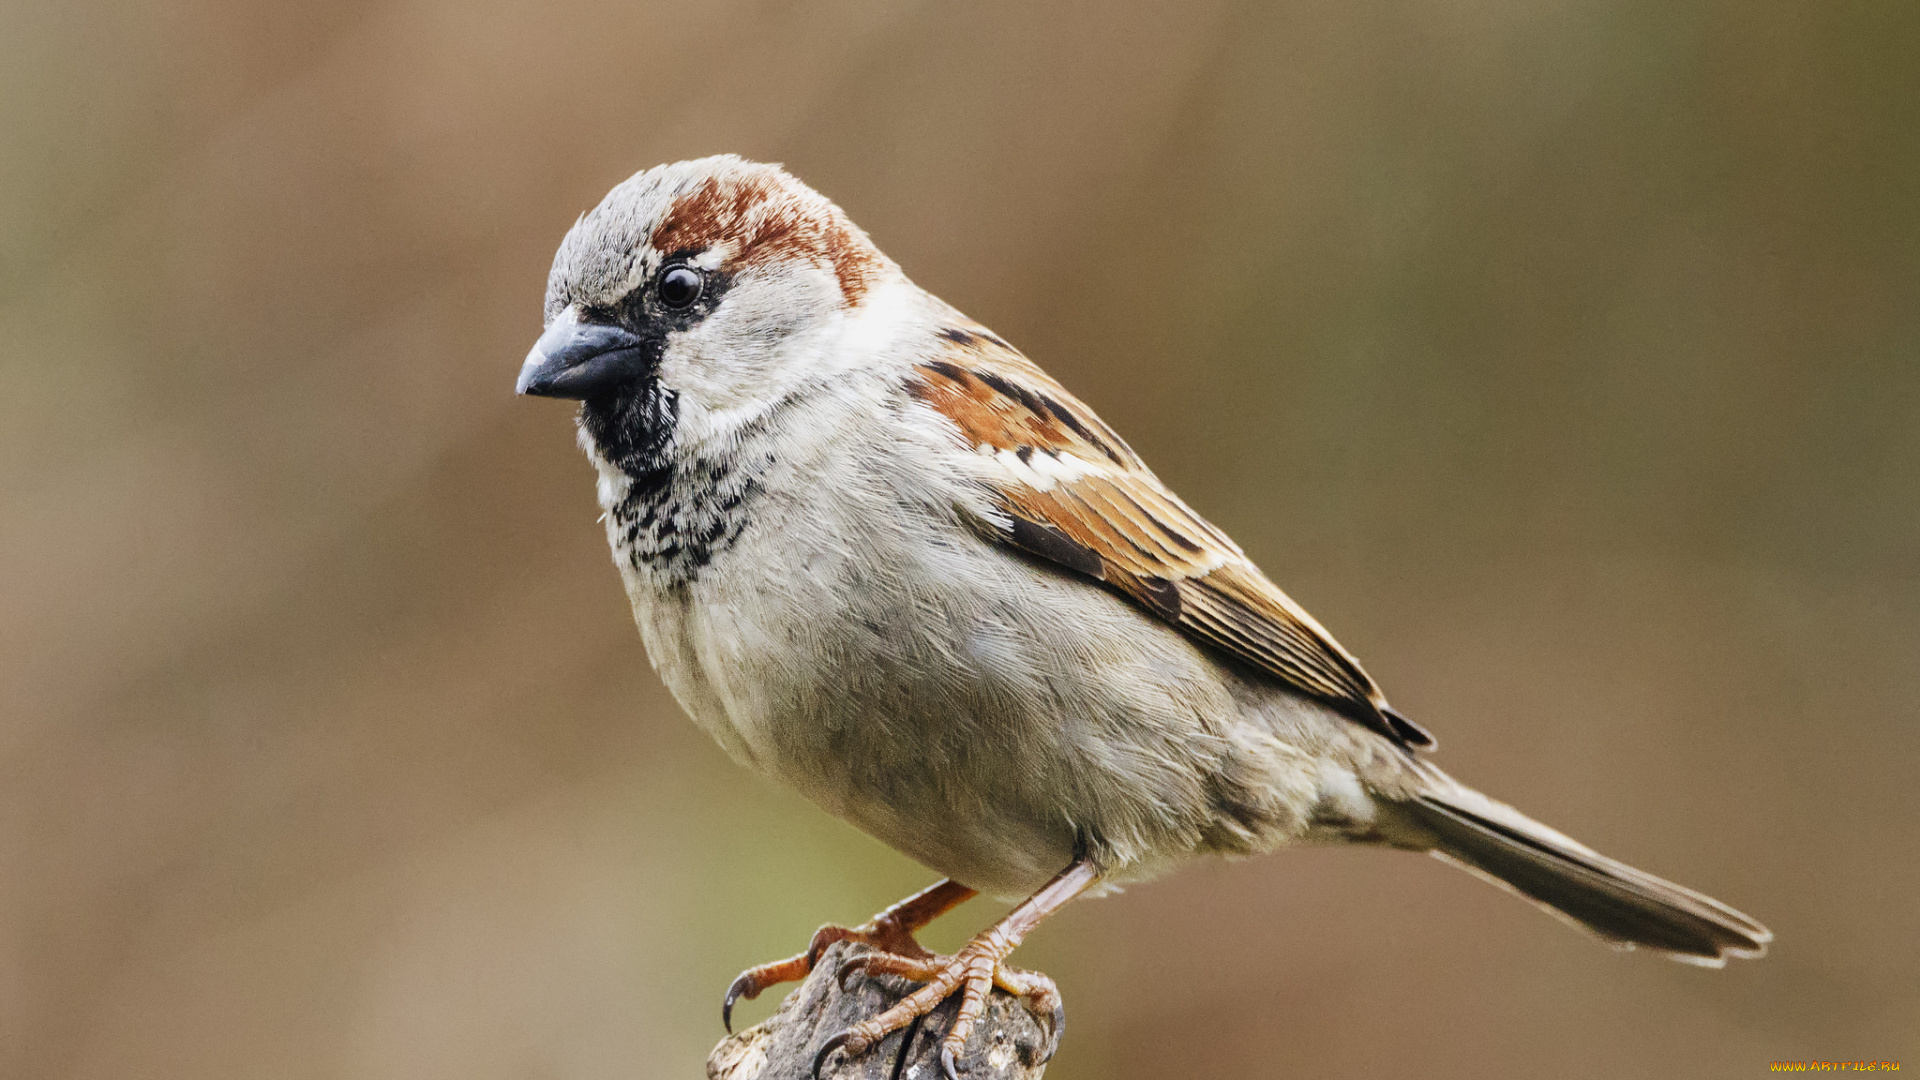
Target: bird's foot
973	971
890	932
886	937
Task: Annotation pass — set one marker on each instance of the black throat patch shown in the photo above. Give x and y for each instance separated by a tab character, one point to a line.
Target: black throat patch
681	509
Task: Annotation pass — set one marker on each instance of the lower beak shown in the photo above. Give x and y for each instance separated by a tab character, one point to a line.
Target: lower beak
579	360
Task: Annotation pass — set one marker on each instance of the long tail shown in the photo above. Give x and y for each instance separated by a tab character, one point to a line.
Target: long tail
1627	908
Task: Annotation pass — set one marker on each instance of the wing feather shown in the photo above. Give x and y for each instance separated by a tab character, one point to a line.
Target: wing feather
1076	495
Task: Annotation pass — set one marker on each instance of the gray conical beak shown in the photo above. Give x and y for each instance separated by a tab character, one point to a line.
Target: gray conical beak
577	360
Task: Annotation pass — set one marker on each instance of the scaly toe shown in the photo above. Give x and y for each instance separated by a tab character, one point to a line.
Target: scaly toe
974	972
886	963
1041	997
976	983
749	983
825	938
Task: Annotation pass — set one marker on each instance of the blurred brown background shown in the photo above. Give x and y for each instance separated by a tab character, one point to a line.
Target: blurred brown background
1564	357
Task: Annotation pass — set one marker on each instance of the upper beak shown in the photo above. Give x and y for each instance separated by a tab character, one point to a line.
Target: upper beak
573	359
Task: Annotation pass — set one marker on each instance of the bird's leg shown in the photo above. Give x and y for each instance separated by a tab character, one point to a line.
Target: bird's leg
891	932
974	971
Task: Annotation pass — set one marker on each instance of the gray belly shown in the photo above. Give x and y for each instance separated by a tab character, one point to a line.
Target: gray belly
981	714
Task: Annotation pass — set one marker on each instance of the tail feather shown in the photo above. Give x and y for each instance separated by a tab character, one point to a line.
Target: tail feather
1628	908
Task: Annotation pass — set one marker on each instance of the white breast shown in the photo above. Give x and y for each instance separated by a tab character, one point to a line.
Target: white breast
984	714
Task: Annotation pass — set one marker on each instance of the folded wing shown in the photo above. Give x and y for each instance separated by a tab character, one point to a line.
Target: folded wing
1071	492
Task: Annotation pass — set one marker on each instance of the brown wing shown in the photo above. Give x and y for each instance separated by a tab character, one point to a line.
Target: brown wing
1075	494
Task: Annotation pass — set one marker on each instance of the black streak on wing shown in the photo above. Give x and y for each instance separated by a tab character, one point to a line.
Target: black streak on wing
1052	544
1121	528
1162	596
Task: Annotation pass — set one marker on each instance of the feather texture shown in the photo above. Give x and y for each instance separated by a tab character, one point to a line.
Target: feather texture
1073	493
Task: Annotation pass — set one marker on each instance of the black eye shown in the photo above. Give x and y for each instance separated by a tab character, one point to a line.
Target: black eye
679	286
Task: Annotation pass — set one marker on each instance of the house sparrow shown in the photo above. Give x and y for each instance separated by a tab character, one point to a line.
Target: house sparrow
879	555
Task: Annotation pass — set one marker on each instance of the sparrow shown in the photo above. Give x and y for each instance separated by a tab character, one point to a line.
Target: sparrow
879	555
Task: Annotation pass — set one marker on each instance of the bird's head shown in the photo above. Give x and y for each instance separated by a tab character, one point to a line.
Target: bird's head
713	283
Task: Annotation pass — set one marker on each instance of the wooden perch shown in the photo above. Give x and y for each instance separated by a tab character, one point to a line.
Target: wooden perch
1003	1047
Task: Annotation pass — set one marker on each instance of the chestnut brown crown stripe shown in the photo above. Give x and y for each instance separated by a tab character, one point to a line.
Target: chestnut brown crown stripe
770	218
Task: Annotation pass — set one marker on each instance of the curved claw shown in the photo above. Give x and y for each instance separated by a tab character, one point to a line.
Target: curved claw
848	966
949	1068
835	1043
738	990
